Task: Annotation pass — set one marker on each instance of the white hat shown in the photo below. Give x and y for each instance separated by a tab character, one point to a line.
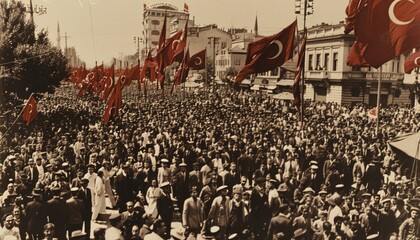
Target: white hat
221	188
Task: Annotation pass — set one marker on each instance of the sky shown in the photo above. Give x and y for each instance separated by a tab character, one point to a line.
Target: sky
103	29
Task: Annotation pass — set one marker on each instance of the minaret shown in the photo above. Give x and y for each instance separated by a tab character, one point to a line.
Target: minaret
58	36
256	26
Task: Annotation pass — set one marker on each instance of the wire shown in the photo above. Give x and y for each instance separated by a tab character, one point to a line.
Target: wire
23	59
91	28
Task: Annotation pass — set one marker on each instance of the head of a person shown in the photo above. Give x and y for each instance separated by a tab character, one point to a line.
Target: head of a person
115	220
38	161
159	227
7	221
194	192
135	230
10	188
326	226
414	213
31	162
49	230
130	206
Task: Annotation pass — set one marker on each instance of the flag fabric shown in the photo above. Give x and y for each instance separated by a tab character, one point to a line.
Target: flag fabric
388	28
179	51
161	61
186	8
298	72
165	54
256	47
114	103
182	73
198	61
30	111
355	57
272	55
412	62
148	71
352	10
162	36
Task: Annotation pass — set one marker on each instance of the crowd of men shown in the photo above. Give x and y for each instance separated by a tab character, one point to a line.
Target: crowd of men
229	165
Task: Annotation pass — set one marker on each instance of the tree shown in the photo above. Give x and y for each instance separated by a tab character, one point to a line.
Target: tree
30	63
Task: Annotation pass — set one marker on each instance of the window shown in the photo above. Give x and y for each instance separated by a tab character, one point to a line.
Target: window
155	22
355	68
398	67
335	61
155	42
310	65
153	13
326	61
318	62
237	62
155	32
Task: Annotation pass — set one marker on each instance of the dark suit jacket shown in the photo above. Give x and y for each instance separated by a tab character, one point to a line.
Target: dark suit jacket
57	214
320	236
181	190
280	224
232	180
36	214
33	180
165	207
86	198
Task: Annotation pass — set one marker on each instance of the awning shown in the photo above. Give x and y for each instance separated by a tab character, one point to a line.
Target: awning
408	144
284	96
255	87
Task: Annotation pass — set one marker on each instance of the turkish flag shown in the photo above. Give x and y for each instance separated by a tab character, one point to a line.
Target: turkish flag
114	103
352	10
182	73
298	72
355	57
372	113
388	28
198	61
411	62
164	55
272	55
256	47
30	111
148	71
162	36
179	51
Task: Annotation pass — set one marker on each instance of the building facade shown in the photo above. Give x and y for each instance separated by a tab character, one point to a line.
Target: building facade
329	78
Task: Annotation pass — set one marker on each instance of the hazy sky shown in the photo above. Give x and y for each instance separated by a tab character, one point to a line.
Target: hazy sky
115	22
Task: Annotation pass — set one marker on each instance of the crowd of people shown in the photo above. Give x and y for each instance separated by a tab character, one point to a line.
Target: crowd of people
227	165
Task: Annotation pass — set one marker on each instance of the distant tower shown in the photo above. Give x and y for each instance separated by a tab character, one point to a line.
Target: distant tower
58	36
256	26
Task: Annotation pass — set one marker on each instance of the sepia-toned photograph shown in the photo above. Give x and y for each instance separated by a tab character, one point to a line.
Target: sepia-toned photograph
209	119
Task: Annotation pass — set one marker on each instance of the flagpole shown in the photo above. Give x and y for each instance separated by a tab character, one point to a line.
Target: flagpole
182	70
206	88
378	101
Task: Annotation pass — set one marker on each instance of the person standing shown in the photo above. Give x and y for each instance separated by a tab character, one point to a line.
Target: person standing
192	214
219	211
165	206
57	214
109	173
124	185
181	186
8	228
99	195
260	214
85	194
36	216
237	212
75	210
410	228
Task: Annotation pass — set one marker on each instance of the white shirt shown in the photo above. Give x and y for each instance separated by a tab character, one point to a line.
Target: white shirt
151	236
40	171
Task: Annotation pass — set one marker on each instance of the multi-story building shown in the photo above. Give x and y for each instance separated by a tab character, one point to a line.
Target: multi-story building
153	17
329	79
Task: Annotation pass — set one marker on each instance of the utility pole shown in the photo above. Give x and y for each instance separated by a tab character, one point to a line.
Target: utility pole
213	41
308	9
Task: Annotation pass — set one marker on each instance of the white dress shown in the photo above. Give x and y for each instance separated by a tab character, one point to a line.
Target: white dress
151	196
99	193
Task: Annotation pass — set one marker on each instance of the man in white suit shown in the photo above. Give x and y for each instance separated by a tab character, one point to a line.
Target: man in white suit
192	214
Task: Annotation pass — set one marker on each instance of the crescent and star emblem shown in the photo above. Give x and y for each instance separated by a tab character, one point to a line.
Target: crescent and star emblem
31	108
391	13
175	41
416	61
280	46
198	62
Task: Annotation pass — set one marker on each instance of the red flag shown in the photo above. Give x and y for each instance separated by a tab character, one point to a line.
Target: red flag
186	8
179	51
114	103
30	111
165	54
388	28
256	47
198	60
372	113
272	55
182	74
298	72
411	62
351	11
162	36
355	57
148	71
133	74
